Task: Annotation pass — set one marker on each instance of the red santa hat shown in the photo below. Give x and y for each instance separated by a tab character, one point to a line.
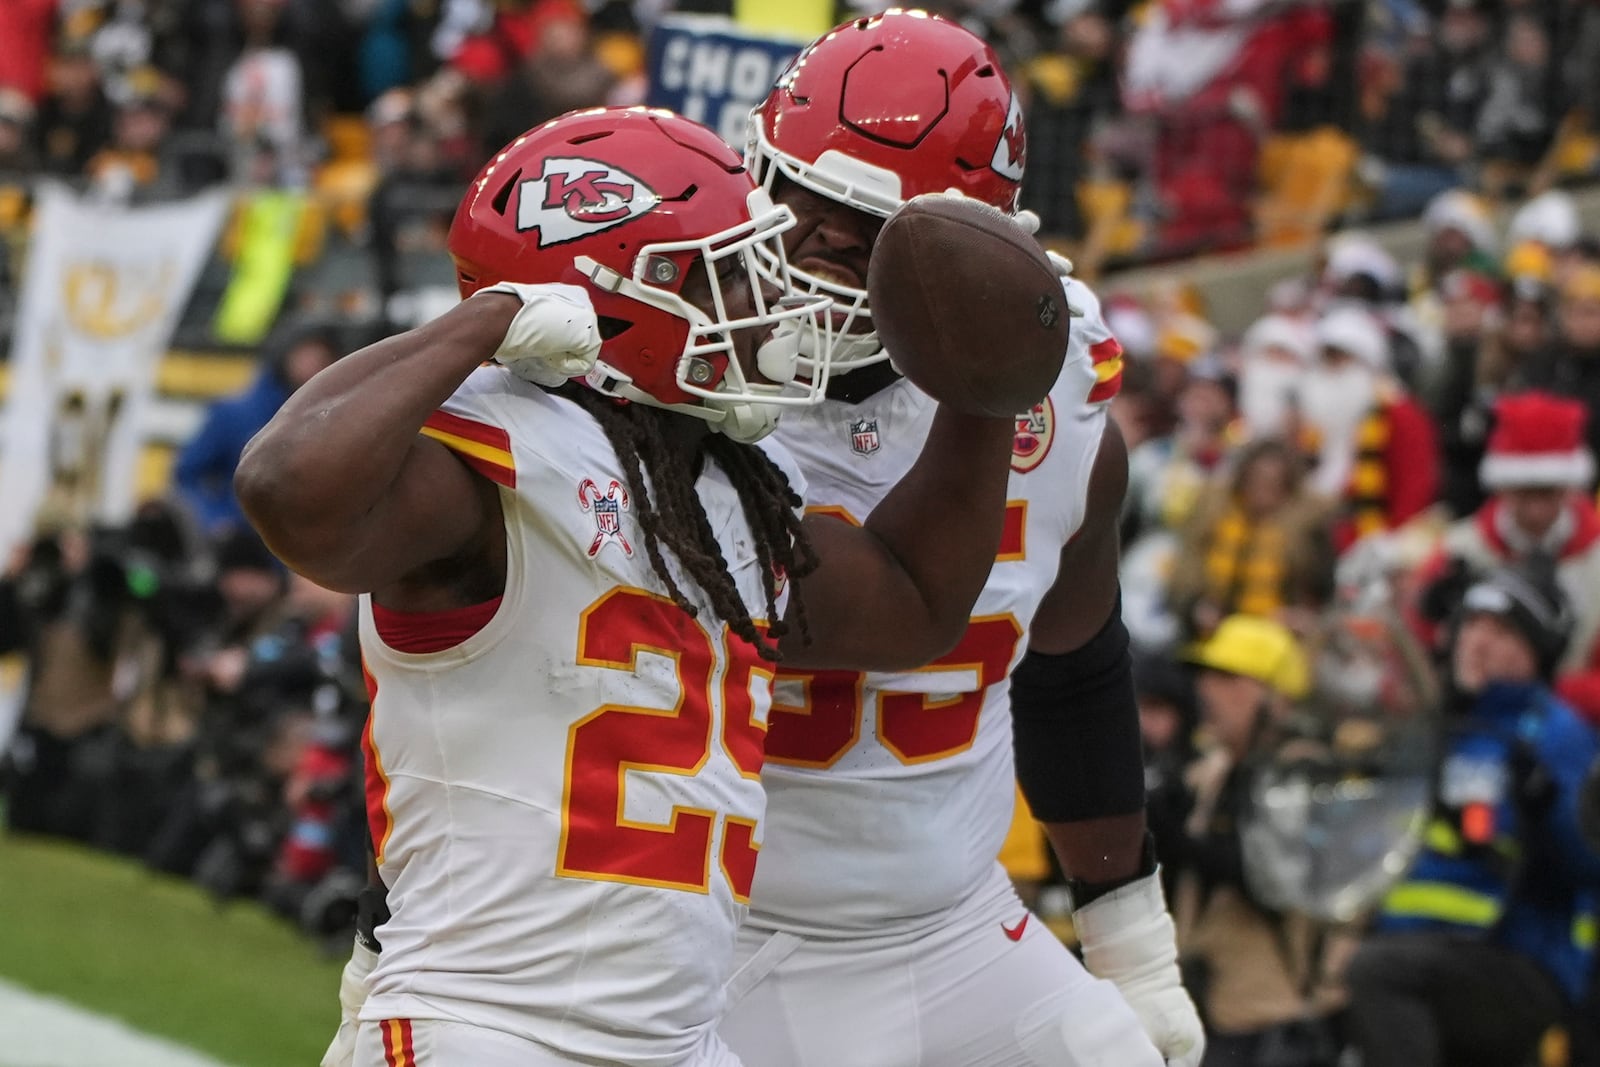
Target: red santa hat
1538	442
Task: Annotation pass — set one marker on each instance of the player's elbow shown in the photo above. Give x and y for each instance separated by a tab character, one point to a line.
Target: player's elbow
278	495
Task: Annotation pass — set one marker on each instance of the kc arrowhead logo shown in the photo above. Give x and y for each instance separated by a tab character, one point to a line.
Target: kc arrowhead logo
576	198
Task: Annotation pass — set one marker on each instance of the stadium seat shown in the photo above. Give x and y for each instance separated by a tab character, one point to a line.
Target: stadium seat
1110	230
345	182
1305	184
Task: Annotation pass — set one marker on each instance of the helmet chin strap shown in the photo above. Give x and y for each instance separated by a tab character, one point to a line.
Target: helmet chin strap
745	422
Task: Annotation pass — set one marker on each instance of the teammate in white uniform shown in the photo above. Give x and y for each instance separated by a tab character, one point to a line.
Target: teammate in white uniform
882	930
572	592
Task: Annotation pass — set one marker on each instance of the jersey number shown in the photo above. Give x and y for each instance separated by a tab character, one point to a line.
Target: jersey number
916	727
598	841
826	723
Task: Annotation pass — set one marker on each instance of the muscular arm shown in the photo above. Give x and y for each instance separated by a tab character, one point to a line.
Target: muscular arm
896	592
1108	847
339	483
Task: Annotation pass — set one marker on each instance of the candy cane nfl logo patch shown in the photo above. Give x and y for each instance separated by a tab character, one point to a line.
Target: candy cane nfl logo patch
864	436
607	509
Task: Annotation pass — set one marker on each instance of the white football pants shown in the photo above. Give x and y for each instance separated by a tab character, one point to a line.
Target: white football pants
440	1043
989	986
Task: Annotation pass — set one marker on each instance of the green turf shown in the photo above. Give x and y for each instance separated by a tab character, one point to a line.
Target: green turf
236	983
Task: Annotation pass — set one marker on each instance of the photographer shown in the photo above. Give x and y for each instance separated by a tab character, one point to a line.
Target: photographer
78	624
1255	971
1488	944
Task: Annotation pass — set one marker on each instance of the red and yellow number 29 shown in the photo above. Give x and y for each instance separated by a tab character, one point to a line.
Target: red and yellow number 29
598	841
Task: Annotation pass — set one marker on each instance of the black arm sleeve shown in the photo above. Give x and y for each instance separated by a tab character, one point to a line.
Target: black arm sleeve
1075	726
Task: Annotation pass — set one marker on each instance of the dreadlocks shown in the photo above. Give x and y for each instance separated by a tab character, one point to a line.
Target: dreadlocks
671	515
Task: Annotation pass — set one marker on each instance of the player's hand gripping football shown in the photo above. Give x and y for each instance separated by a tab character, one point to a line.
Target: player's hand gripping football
1129	940
554	337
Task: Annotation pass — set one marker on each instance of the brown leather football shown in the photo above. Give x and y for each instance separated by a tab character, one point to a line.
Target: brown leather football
968	306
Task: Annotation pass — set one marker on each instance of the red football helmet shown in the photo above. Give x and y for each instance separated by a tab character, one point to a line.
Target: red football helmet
626	202
882	109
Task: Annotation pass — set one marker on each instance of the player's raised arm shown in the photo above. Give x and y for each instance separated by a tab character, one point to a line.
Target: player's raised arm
341	485
1080	764
896	593
948	277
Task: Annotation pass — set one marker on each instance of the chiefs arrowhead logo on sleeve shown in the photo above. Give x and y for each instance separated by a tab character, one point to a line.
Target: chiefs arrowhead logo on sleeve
1036	431
575	198
1011	151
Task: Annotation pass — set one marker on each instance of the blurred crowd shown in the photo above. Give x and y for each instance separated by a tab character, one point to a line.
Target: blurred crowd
1360	566
1158	129
188	702
1361	540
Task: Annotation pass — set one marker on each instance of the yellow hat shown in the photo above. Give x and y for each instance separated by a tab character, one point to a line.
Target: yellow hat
1529	260
1256	648
1582	284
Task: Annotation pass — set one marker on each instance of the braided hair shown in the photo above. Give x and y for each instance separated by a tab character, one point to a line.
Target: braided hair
671	515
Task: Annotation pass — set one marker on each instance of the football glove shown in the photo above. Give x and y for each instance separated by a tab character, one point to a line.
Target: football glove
1129	939
352	995
555	337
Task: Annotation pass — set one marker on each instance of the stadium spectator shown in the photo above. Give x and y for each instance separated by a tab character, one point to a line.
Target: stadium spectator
134	161
1166	474
1538	474
1460	233
559	73
1521	108
16	134
74	119
1376	449
1274	355
1482	950
204	470
1459	390
1420	115
1253	970
263	103
1255	544
1571	367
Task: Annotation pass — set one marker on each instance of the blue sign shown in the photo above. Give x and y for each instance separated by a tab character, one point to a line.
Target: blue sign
709	70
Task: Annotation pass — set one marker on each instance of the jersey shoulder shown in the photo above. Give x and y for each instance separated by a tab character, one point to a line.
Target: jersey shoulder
1091	345
494	416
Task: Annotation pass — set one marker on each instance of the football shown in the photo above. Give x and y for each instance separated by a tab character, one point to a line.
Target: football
968	306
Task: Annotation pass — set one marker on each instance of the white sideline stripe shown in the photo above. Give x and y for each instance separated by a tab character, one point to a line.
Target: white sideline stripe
42	1031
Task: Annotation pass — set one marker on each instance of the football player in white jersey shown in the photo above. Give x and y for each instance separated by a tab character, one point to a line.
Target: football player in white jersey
573	592
882	931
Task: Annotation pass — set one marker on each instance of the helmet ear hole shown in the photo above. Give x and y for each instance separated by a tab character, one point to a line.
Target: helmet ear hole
502	199
611	327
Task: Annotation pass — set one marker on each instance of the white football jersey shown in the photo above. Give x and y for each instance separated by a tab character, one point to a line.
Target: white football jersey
888	795
566	805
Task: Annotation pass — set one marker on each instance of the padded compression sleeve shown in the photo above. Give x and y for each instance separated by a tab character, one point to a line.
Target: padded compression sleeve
1075	724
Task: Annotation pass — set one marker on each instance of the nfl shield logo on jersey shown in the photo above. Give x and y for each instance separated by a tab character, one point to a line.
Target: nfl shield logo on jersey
607	509
864	436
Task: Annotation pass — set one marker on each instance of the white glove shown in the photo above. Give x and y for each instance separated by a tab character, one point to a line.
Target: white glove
352	995
1129	939
1061	263
553	338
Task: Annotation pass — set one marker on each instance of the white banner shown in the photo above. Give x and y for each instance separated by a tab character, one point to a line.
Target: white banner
104	287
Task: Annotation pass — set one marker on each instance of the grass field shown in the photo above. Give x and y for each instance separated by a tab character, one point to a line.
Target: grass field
235	983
